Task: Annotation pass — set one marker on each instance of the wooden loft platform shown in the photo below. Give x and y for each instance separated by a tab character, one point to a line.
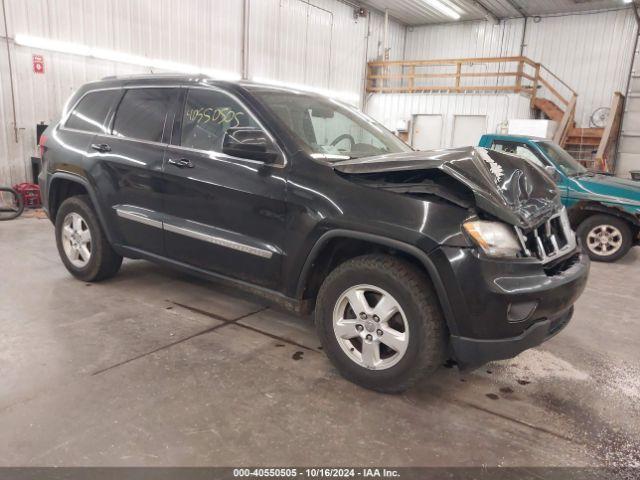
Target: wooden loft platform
549	95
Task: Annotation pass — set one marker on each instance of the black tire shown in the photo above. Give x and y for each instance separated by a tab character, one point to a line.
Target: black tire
603	220
413	291
11	213
103	262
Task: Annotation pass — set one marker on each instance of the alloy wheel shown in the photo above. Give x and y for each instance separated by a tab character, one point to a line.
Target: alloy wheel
604	240
371	327
76	240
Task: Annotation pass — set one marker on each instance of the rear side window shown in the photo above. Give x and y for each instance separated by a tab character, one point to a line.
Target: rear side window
207	116
142	113
90	114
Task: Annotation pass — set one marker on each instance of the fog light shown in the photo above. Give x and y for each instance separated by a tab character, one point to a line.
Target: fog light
519	312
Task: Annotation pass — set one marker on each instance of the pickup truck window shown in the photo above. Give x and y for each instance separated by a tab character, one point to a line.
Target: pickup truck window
207	116
519	149
90	114
142	113
562	159
328	127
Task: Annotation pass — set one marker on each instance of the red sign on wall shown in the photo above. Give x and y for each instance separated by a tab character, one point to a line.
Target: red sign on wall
38	64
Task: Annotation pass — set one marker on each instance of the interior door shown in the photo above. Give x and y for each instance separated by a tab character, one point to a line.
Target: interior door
131	161
426	132
467	129
223	214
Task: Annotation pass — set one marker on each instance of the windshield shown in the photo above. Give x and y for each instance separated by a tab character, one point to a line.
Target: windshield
329	128
562	159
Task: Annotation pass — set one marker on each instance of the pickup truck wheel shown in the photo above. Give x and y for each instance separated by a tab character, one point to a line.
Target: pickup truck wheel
82	245
380	323
606	238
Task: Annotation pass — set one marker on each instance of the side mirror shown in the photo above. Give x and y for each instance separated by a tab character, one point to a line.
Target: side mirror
553	173
251	143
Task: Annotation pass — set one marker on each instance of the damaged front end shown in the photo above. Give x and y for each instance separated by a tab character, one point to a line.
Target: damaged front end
517	288
494	185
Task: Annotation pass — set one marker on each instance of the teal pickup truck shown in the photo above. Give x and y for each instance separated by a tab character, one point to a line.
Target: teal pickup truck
603	209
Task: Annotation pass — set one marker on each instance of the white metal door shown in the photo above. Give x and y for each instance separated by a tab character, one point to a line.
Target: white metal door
426	133
467	130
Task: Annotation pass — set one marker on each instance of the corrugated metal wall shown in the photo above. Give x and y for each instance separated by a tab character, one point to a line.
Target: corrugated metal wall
396	39
590	52
390	109
456	40
465	39
317	43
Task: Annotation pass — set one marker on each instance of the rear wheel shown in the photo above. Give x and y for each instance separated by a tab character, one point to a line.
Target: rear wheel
606	238
380	323
82	245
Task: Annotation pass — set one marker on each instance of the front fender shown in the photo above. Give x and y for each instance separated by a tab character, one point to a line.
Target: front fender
411	250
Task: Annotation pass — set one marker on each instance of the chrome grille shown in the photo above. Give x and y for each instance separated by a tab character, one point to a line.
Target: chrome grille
549	240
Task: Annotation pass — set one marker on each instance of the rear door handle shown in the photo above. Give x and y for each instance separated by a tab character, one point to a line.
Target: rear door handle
101	147
181	163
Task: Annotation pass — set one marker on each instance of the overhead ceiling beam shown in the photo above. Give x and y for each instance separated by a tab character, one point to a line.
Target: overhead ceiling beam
518	7
371	8
488	14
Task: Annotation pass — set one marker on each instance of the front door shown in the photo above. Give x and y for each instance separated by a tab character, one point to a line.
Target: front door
224	214
130	161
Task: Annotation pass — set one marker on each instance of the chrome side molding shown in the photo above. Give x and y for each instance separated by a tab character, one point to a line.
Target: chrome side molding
223	242
140	215
153	219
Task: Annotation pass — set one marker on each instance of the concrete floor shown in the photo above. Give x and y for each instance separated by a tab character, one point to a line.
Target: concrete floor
156	368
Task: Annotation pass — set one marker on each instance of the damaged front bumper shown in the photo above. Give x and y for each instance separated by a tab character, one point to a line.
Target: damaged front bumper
499	308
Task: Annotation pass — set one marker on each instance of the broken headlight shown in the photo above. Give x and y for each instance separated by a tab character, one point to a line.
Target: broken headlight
494	238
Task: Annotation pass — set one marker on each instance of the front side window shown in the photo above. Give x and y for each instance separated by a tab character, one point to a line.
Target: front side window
90	114
208	114
562	159
330	128
142	113
518	149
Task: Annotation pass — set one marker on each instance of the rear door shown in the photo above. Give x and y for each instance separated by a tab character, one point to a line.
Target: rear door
130	161
224	214
69	145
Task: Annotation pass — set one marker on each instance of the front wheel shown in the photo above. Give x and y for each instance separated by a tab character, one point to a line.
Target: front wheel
606	238
380	323
82	245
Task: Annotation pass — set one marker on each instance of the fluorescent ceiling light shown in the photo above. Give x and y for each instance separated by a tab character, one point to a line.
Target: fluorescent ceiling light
443	8
350	97
119	57
114	56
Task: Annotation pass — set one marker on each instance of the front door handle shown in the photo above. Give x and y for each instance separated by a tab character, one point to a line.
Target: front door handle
181	163
101	147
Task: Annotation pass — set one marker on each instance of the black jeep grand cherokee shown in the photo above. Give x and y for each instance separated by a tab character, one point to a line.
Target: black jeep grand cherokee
407	258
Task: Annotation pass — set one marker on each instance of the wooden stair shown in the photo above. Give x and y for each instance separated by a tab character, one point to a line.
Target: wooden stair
549	108
595	147
585	137
582	143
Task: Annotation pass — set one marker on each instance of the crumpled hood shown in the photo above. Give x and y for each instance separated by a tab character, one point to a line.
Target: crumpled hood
503	185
